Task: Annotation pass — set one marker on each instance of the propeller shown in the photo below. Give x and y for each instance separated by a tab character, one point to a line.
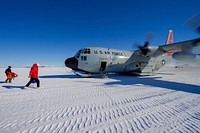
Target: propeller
194	22
145	47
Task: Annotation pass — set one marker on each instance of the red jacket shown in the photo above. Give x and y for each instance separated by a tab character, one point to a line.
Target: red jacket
34	71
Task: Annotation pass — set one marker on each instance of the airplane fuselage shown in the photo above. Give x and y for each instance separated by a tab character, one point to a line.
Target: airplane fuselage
97	60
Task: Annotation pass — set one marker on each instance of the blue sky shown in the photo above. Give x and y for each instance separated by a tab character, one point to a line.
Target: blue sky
49	31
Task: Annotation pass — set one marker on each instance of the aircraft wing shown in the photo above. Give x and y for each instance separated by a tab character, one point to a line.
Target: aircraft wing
176	47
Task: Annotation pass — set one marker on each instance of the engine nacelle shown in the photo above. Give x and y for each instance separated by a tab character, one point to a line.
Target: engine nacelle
184	56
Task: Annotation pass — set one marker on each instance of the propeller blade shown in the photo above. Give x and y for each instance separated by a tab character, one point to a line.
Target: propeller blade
145	48
194	23
135	45
146	44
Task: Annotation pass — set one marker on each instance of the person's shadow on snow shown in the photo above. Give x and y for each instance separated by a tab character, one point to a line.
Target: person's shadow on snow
13	87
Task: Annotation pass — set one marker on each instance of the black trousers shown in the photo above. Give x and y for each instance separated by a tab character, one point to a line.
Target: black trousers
8	79
33	79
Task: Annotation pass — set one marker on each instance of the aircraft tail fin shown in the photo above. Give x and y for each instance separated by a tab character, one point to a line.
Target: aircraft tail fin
170	41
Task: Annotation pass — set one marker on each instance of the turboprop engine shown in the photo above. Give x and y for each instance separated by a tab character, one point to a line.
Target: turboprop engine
184	56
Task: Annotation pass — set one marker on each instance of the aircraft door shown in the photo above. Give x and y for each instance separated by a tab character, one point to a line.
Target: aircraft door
103	66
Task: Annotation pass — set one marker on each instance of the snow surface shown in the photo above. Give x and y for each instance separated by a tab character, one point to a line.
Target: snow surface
166	102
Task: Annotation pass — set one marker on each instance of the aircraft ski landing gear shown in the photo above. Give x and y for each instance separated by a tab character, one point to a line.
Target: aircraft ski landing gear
82	74
103	74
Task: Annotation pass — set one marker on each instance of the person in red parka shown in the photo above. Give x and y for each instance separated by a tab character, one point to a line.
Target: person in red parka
8	74
33	75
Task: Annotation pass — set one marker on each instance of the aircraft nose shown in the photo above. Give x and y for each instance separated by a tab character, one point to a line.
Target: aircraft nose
71	63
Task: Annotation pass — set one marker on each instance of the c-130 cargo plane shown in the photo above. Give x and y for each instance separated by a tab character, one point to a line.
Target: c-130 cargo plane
144	61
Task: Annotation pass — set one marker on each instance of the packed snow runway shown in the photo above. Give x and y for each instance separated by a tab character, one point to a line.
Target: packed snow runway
166	102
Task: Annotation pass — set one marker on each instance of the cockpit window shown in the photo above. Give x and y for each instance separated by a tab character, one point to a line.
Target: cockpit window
78	53
86	51
84	58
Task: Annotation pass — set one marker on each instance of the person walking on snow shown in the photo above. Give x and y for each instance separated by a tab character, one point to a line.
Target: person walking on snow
33	75
8	74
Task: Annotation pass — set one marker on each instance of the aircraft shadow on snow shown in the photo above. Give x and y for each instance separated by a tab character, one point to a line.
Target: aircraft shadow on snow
151	81
13	87
59	76
155	82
